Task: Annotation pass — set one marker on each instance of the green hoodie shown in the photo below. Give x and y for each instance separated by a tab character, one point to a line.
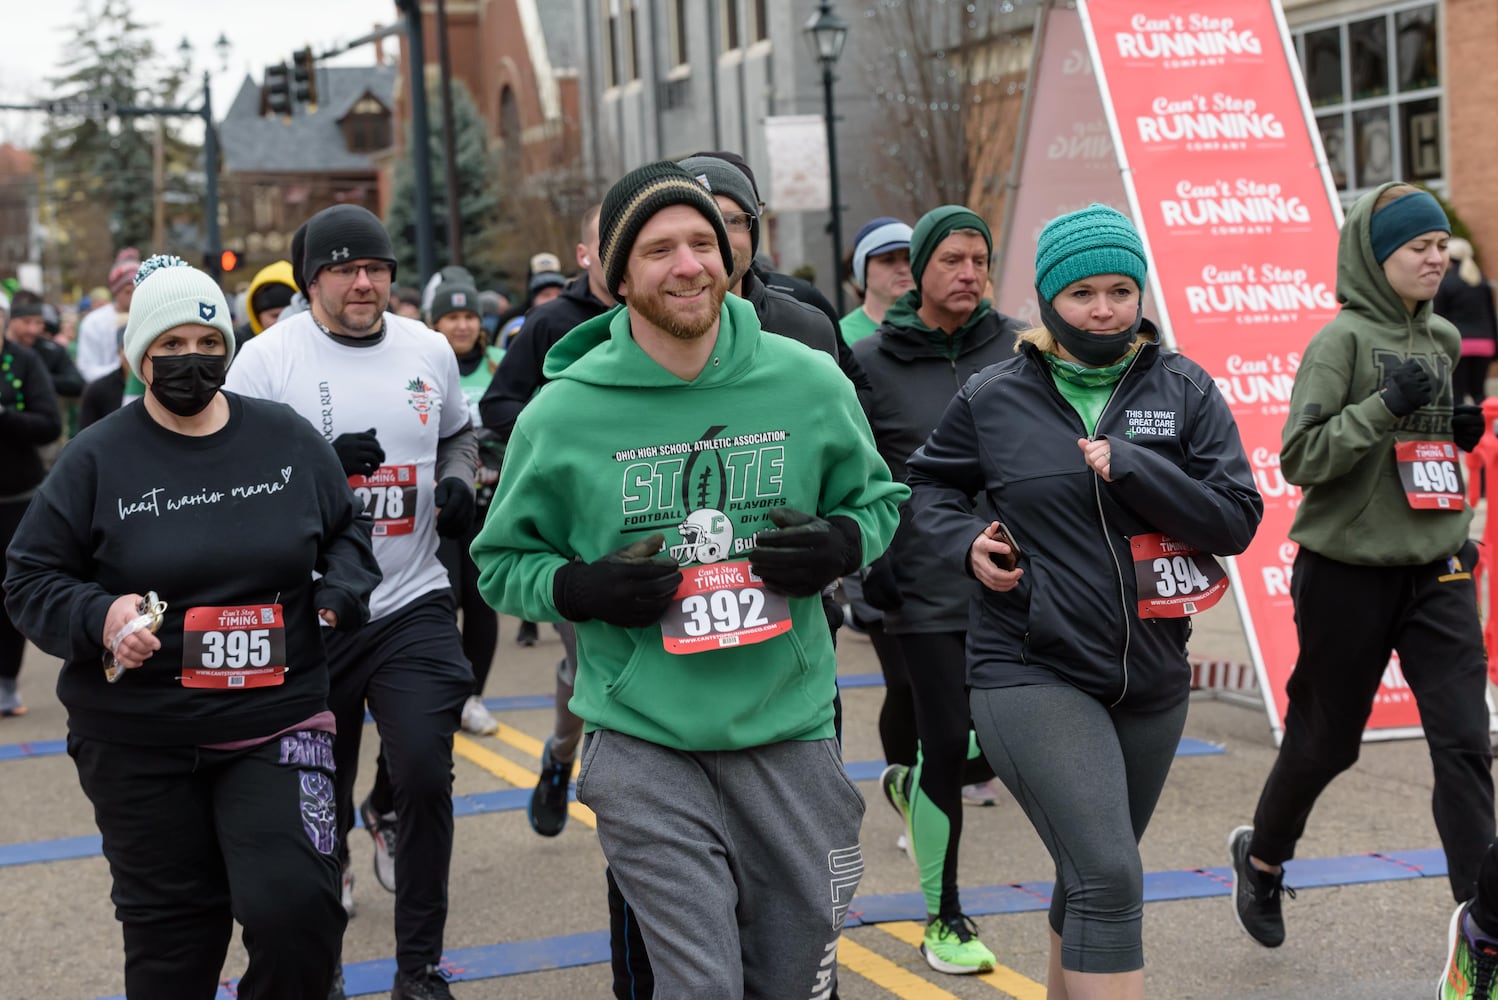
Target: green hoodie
615	447
1339	438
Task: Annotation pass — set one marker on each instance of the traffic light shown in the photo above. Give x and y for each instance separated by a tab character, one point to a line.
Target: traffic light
304	79
275	91
227	261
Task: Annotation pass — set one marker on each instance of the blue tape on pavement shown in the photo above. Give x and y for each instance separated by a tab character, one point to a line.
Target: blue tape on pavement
515	958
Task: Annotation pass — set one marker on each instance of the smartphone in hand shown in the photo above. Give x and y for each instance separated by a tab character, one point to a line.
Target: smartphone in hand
1005	560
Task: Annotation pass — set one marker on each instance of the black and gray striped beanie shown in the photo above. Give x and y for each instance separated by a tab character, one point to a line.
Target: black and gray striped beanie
636	197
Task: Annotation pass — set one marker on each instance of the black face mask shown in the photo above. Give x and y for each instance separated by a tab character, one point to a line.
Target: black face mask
1095	350
186	383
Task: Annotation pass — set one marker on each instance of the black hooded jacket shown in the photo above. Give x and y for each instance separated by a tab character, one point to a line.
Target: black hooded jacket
1178	468
519	373
912	377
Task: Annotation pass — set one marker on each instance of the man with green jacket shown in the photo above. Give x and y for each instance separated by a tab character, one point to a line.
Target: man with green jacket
683	490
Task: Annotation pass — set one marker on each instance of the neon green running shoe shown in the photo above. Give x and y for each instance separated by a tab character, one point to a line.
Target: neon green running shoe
952	946
1471	969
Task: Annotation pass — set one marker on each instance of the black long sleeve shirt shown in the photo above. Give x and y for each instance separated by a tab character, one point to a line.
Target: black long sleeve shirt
238	519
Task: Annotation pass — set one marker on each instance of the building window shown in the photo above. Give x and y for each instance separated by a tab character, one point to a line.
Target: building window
759	20
633	51
678	16
366	128
1375	86
611	43
730	16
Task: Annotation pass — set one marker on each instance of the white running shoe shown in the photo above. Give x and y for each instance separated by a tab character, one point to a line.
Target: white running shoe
985	794
476	718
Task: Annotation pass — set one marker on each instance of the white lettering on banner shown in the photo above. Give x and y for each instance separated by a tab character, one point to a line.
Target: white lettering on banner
1259	289
1222	116
1277	578
1222	203
1270	478
1179	36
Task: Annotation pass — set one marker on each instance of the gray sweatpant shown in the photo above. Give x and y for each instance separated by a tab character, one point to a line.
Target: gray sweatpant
741	864
1088	778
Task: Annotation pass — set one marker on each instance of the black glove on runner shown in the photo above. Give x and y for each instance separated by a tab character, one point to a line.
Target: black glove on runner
455	507
630	587
1407	388
806	553
360	452
1467	426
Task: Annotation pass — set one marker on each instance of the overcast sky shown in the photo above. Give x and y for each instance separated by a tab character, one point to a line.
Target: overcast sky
259	32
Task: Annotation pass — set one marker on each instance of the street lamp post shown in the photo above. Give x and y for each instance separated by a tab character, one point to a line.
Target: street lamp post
828	32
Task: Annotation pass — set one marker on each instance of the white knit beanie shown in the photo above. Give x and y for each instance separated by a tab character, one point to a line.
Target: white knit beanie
170	292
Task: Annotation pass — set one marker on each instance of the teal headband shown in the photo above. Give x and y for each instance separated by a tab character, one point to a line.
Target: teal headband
1404	218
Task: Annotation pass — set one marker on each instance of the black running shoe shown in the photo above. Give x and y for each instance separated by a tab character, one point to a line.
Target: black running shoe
527	635
428	984
548	806
1256	894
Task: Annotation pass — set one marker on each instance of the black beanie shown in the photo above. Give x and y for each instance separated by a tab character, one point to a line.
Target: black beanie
636	197
271	295
344	233
298	256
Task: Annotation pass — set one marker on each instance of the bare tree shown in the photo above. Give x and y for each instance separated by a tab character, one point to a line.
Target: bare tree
947	78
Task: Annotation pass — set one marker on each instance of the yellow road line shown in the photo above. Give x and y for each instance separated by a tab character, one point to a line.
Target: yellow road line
1003	979
882	972
521	777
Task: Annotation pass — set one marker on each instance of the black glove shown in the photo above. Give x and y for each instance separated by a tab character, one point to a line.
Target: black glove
1407	388
631	587
1467	426
455	507
360	453
806	553
879	587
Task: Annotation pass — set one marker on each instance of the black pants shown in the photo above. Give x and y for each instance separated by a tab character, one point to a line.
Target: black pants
1349	619
197	839
480	622
897	734
12	642
409	667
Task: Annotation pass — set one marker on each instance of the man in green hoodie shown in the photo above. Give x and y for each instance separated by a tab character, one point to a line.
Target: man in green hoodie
1385	562
683	490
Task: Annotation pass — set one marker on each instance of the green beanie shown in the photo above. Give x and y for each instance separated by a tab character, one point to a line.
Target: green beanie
935	226
1089	241
636	197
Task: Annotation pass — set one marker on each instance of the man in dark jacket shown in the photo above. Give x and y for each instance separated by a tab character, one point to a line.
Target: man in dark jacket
27	327
932	339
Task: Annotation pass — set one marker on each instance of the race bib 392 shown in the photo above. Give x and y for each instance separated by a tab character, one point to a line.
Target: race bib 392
721	605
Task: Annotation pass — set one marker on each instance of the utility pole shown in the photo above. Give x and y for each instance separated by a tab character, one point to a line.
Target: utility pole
449	141
421	142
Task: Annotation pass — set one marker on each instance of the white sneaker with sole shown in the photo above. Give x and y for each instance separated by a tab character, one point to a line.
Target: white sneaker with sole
476	718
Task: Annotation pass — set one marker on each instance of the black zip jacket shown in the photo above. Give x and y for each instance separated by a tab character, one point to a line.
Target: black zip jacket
912	378
519	373
29	419
66	379
1178	468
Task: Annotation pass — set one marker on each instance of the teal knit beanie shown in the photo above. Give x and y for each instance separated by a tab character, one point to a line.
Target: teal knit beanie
935	226
1092	240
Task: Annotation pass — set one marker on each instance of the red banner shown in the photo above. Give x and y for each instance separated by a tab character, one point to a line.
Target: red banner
1225	182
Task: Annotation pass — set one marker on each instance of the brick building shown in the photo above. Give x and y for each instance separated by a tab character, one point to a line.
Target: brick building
278	172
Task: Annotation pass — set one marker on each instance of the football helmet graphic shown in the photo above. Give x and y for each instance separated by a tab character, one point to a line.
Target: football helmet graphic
706	537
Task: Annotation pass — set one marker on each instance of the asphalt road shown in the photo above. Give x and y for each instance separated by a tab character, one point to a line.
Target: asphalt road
1373	940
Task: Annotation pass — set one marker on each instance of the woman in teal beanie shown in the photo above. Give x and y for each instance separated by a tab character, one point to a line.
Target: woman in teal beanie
1115	473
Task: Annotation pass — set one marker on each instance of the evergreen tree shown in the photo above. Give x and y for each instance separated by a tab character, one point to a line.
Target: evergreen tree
105	164
478	200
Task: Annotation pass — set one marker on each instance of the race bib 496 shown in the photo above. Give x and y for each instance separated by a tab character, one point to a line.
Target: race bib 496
1430	475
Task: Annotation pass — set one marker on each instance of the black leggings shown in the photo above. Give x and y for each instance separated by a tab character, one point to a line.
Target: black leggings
897	713
480	622
937	664
1471	378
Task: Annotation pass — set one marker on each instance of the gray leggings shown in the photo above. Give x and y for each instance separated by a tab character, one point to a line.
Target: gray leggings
1088	779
